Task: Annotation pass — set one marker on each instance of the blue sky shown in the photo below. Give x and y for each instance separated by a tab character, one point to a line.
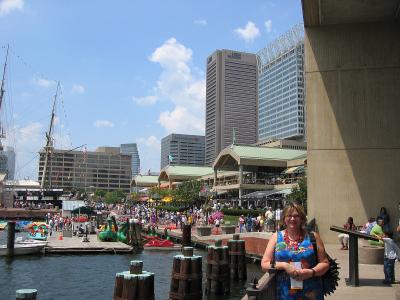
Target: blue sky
130	71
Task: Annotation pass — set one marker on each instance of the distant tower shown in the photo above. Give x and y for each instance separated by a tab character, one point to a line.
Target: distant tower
231	101
133	151
10	154
281	92
182	149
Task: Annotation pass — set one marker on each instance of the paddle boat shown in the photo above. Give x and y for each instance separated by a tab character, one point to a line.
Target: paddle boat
38	231
23	249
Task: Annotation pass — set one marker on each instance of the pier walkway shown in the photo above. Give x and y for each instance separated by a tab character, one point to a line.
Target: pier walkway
74	245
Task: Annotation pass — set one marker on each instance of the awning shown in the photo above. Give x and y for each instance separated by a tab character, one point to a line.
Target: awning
84	210
265	194
284	192
294	170
166	199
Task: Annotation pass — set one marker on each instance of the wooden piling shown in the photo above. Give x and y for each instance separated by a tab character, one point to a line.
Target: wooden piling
136	267
186	235
134	284
26	294
135	234
237	253
217	274
186	281
10	238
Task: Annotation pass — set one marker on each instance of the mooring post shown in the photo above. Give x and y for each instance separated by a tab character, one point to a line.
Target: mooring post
10	238
26	294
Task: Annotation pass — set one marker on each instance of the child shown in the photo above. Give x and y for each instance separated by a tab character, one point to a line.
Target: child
392	252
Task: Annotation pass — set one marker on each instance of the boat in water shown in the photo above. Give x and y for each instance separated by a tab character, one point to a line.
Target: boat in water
156	243
23	249
38	231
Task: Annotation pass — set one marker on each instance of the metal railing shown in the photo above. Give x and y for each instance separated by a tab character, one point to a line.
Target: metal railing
263	289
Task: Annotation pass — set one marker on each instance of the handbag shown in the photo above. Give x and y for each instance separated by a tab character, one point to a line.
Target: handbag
330	280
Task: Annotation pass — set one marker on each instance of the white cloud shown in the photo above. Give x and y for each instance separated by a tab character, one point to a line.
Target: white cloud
29	133
78	89
180	84
248	33
103	123
268	25
7	6
149	151
181	120
44	82
150	142
147	100
200	22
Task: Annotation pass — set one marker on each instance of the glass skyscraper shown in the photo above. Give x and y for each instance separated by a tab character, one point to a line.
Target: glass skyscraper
281	97
132	150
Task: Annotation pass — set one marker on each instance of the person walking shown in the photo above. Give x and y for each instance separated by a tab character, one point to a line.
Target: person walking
292	251
241	223
392	252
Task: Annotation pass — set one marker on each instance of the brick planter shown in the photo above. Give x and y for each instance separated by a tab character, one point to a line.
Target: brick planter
228	229
203	230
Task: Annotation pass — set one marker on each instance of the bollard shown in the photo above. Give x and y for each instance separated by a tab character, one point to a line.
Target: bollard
237	253
217	274
26	294
186	235
10	238
186	281
134	284
136	267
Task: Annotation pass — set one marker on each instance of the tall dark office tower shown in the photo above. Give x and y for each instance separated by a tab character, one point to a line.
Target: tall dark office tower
182	149
231	101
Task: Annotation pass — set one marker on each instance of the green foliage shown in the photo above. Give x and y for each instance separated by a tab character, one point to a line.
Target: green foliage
245	212
161	192
299	194
188	191
113	197
100	193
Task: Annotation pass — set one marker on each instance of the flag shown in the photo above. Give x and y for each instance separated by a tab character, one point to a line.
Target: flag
170	158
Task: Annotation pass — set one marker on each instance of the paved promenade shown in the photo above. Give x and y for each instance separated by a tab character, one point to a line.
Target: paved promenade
371	276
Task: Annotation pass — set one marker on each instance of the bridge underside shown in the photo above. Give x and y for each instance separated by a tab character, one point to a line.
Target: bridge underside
352	50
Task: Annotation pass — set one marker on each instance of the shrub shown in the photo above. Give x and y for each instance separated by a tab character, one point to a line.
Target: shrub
245	212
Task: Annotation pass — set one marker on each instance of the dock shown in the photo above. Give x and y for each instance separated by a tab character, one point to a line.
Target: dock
74	245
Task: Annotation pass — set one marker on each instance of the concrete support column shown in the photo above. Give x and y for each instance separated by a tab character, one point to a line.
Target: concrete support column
352	89
170	183
215	178
240	184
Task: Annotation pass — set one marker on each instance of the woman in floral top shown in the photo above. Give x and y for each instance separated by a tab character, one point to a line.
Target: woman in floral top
293	253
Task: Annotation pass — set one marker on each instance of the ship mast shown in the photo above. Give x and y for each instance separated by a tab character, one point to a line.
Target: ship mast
2	91
49	141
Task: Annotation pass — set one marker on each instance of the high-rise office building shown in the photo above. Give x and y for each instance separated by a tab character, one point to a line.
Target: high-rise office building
231	101
182	149
10	153
104	169
132	150
281	87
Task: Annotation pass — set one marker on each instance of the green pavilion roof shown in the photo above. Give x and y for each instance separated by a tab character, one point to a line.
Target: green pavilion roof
258	152
145	179
181	172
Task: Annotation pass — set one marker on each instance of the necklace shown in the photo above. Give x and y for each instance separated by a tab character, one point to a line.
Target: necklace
292	244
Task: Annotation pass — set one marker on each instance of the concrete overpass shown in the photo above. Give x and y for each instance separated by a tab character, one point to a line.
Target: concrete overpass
352	71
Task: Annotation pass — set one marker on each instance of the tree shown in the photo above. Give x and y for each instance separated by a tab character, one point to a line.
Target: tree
111	197
100	193
299	193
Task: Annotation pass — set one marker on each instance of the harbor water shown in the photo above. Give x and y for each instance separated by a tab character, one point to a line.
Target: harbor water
65	277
